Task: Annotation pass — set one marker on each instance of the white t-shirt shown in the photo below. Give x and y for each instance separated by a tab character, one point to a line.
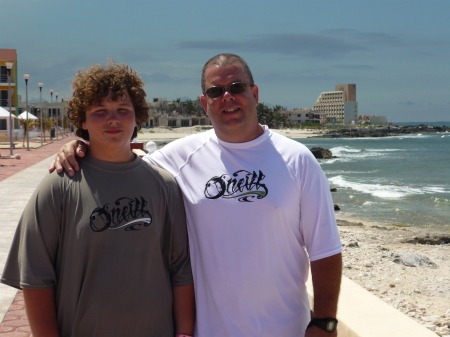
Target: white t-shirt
255	211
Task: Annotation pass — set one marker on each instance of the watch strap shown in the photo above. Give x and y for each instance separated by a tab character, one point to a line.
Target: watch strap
327	324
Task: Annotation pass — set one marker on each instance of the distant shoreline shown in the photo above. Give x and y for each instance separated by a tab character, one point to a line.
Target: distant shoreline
162	134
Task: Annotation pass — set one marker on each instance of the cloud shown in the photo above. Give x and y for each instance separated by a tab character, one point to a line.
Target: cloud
369	38
307	45
407	103
156	78
353	66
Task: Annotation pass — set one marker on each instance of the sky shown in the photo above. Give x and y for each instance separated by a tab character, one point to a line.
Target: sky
397	52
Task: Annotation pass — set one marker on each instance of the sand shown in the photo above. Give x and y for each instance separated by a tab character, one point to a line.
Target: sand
421	292
163	134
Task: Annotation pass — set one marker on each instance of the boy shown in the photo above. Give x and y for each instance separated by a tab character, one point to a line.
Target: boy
105	253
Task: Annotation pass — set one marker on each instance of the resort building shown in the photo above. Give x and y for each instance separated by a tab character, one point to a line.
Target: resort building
372	120
304	115
7	57
338	106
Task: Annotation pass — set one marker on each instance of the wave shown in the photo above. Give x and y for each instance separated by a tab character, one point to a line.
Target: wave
385	191
348	172
440	200
347	153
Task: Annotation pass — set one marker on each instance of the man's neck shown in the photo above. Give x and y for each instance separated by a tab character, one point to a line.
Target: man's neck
239	136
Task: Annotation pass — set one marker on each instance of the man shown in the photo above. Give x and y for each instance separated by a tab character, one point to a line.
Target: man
258	209
105	253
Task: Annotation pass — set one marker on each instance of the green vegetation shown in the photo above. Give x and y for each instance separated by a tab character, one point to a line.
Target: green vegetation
272	117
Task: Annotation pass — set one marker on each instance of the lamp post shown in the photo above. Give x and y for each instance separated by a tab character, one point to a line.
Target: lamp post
27	76
51	114
40	114
57	116
62	118
9	66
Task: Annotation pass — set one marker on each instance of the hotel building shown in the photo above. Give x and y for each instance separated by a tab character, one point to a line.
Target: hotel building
338	106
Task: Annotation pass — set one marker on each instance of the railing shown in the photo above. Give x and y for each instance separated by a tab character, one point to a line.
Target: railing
4	78
5	104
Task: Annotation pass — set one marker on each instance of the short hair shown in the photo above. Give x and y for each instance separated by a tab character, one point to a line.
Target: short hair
223	60
92	85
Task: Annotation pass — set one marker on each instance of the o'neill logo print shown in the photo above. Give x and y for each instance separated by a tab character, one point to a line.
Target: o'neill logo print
243	185
127	213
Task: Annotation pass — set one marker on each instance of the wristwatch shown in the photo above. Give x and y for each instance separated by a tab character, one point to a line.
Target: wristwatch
327	324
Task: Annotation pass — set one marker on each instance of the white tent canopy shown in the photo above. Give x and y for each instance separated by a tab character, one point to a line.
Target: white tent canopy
23	115
5	113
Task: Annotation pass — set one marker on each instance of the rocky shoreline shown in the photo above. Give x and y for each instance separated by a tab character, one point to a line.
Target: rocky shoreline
408	268
387	131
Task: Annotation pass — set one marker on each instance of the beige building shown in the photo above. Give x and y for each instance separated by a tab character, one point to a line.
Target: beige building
372	120
298	116
339	105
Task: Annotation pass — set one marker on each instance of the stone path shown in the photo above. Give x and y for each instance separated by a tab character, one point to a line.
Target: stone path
18	179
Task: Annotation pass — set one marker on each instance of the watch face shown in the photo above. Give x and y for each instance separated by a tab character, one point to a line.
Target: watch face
331	326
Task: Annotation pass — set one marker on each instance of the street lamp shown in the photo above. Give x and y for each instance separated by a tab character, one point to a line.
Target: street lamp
42	123
62	118
9	66
51	113
57	115
27	76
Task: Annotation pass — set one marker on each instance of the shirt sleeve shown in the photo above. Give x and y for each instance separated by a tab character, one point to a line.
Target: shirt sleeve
32	256
180	264
317	218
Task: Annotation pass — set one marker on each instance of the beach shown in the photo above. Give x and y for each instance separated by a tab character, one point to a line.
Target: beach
167	134
421	292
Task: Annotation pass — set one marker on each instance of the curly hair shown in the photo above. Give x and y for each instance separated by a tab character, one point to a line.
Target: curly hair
92	85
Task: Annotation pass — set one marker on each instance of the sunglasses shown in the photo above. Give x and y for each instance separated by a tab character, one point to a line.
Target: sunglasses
235	88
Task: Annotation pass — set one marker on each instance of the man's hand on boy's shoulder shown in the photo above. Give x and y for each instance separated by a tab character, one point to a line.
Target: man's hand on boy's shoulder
65	159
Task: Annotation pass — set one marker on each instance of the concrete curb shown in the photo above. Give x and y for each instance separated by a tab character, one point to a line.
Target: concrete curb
362	314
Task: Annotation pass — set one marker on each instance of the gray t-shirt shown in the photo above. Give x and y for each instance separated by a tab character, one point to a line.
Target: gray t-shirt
112	241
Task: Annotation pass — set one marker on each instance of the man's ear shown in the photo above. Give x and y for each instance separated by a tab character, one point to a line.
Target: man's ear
204	103
255	91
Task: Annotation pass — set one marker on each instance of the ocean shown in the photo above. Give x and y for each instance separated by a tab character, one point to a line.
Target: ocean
401	180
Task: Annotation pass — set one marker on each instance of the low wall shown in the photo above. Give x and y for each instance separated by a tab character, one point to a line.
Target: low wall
362	314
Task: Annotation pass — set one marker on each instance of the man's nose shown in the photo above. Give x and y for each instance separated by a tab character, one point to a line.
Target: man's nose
227	95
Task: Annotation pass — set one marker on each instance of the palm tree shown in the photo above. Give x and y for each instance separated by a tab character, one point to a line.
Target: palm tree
47	124
25	124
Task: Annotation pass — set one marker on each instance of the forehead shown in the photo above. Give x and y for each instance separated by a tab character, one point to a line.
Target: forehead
225	74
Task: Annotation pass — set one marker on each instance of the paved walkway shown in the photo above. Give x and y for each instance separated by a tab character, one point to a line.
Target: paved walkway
18	179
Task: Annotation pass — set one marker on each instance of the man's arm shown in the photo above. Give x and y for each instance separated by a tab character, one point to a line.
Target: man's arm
41	312
184	309
326	278
66	157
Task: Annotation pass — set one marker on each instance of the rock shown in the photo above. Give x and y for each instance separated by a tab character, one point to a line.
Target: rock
412	260
348	223
333	189
336	207
429	239
321	153
353	244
